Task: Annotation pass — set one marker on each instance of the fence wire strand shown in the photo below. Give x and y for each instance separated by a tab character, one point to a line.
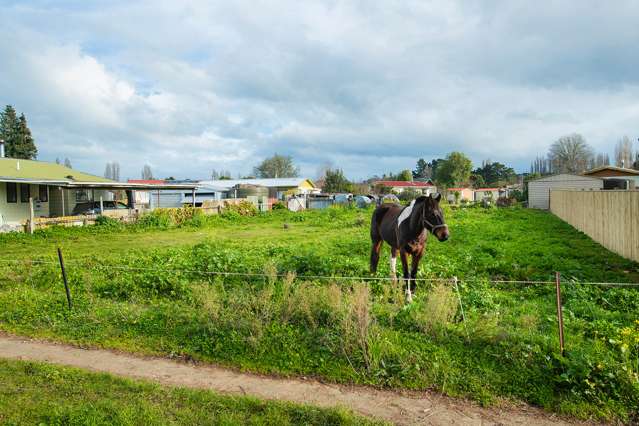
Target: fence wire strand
82	262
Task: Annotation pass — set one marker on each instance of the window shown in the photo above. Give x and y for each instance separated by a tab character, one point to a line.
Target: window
12	192
81	196
24	193
43	193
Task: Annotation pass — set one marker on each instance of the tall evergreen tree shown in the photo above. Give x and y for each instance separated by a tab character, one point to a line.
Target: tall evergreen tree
24	146
8	128
16	134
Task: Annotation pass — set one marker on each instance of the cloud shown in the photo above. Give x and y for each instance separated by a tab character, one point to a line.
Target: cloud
368	86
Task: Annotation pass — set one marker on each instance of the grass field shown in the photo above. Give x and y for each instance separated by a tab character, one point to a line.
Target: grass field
34	393
141	289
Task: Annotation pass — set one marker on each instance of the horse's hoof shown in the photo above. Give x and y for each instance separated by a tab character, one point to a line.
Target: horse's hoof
409	297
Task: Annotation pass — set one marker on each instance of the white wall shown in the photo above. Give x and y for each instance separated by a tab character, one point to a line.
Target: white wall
18	212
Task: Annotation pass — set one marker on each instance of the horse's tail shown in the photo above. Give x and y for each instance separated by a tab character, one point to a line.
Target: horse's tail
376	235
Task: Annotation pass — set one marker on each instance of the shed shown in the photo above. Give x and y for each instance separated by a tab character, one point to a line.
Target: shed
539	189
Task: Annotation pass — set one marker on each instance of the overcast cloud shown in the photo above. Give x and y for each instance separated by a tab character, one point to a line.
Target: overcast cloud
368	86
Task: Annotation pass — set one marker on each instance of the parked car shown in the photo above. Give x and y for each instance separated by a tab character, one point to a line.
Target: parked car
93	207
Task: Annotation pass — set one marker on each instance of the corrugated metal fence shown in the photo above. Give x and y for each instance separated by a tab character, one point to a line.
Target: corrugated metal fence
609	217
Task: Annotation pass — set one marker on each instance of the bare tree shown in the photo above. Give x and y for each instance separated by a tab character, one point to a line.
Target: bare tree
112	171
570	154
147	174
624	153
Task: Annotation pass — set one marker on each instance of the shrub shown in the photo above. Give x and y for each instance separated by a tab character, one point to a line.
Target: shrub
278	206
107	222
437	312
243	208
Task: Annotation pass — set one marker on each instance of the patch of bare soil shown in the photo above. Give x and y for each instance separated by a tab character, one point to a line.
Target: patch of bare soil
404	408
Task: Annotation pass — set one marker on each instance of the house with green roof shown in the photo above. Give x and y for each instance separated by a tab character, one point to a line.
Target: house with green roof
55	190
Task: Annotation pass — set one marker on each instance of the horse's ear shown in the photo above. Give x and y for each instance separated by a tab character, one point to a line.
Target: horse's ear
436	196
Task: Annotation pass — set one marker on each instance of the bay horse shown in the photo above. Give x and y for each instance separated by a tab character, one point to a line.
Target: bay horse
406	231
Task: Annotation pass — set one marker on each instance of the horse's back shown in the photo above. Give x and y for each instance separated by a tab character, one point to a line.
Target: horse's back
382	214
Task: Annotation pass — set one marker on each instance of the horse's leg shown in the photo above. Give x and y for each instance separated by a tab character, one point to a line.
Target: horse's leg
375	249
404	256
414	266
393	264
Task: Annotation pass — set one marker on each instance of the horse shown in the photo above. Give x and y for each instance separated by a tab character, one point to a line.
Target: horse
405	230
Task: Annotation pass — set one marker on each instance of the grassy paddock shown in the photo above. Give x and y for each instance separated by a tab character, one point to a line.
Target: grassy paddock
342	330
35	393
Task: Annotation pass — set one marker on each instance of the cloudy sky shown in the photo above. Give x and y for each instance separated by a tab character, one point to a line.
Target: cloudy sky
190	86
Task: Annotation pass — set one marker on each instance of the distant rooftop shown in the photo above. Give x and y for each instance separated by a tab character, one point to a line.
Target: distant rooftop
269	183
403	183
612	168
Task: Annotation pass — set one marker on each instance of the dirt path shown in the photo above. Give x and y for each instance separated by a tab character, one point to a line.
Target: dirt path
414	408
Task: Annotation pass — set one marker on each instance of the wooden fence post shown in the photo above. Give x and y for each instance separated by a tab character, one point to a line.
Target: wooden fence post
560	316
31	216
64	277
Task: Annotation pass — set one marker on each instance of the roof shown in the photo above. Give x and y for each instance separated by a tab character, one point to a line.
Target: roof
612	168
44	173
564	176
458	189
16	168
268	182
487	189
403	183
147	181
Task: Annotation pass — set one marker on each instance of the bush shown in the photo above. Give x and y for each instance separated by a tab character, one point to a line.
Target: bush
107	222
278	206
244	208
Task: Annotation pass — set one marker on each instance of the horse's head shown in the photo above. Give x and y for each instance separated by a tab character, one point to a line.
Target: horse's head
433	217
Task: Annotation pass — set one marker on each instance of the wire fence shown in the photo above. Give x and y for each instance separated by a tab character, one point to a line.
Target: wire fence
83	262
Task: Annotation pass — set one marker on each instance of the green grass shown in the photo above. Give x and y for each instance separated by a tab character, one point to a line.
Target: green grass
35	393
340	330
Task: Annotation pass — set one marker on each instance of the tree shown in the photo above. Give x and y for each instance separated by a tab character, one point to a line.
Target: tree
16	134
570	154
624	153
477	181
277	166
454	170
405	175
495	174
600	160
335	181
147	174
423	170
57	161
541	165
112	171
67	163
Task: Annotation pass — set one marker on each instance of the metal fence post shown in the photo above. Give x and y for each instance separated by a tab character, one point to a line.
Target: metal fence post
64	277
560	316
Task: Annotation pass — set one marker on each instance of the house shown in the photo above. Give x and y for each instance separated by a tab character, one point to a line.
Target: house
399	186
539	189
628	177
160	197
279	188
464	194
490	193
52	189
